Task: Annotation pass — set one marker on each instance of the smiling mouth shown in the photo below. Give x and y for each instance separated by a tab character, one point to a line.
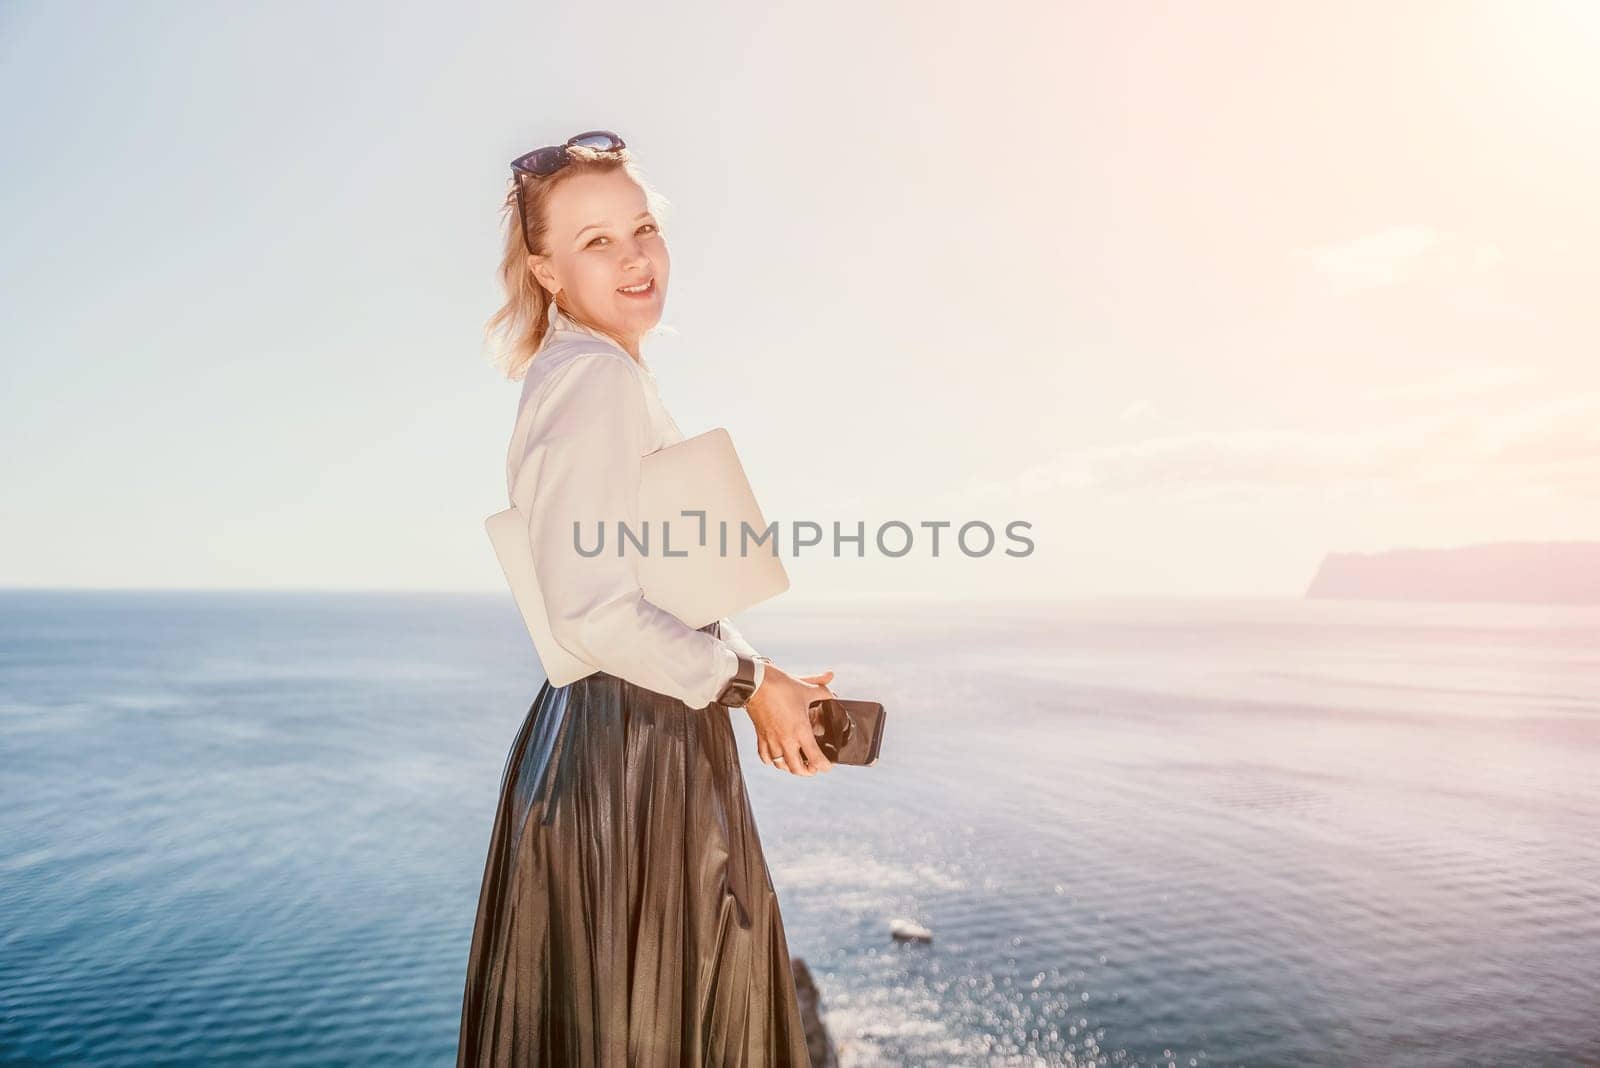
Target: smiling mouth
643	290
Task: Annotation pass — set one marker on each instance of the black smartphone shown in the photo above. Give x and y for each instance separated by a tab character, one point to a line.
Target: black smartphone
848	732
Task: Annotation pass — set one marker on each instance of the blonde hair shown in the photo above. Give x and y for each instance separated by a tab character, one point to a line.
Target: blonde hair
516	331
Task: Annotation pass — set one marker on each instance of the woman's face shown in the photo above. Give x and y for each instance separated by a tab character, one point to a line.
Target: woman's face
602	240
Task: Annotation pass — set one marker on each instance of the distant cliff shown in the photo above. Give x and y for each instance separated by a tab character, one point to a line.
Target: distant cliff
1528	572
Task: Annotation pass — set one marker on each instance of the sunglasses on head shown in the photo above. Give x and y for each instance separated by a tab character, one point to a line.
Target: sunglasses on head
543	162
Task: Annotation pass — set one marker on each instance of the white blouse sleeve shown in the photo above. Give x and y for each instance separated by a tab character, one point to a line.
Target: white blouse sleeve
731	635
581	466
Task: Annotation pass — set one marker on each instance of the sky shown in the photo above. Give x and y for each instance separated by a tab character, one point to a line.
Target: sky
1200	292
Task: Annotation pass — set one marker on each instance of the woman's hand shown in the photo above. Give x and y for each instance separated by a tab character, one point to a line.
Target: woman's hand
785	735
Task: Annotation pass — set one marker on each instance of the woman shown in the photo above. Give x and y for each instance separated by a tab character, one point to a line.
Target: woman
627	915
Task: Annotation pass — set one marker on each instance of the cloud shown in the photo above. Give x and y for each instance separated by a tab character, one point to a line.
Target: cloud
1139	409
1561	430
1552	444
1460	382
1396	255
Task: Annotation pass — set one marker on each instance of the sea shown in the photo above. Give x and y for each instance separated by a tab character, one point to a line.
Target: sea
249	827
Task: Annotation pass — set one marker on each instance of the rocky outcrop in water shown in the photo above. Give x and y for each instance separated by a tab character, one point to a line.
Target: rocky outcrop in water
1526	572
818	1043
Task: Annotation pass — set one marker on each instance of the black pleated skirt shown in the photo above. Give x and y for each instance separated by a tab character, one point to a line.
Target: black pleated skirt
627	916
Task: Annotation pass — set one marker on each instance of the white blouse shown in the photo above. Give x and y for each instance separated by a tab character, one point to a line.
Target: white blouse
588	413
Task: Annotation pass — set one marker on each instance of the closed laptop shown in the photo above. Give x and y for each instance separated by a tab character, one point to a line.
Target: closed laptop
697	567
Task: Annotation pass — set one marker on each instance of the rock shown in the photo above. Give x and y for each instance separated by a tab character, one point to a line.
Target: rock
1546	572
818	1042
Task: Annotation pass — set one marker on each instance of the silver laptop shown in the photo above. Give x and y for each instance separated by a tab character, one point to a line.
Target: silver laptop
699	570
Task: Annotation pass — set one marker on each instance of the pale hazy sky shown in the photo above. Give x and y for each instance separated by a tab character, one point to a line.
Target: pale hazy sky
1202	291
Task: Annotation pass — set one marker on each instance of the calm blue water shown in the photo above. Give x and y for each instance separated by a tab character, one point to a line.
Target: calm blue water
250	828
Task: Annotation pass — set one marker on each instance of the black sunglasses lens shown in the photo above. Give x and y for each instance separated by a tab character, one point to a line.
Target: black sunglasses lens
548	160
602	140
540	162
543	162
